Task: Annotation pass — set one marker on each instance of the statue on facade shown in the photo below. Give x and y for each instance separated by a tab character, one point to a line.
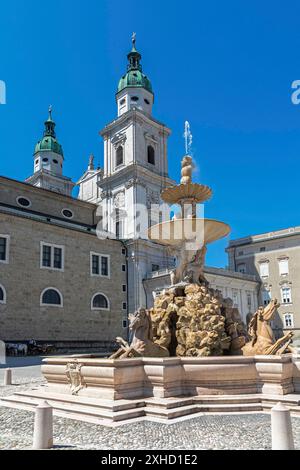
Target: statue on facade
261	333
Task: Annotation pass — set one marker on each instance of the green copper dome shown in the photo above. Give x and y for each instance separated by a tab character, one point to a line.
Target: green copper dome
49	142
134	76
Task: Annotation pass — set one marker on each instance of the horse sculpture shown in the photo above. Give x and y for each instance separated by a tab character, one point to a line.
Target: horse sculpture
263	341
142	342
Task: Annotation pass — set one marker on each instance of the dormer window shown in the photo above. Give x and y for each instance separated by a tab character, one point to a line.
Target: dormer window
134	98
147	101
45	160
119	156
56	162
123	101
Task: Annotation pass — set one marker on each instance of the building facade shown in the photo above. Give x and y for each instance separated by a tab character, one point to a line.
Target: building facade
58	281
274	258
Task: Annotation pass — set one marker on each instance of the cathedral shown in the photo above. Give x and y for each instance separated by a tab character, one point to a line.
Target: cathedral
72	269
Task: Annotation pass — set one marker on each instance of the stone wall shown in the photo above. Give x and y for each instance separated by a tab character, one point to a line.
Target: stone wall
22	317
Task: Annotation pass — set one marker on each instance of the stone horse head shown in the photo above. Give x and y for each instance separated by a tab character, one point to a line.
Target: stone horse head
261	320
140	324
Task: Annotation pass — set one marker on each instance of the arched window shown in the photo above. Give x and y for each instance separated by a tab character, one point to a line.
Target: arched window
151	155
100	302
119	156
2	295
51	297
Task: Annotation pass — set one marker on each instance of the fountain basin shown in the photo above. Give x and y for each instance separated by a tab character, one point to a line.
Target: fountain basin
173	232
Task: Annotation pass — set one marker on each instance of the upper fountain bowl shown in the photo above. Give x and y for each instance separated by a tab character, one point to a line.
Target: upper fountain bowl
190	191
174	232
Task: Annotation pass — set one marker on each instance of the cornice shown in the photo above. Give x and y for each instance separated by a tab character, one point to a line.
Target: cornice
134	115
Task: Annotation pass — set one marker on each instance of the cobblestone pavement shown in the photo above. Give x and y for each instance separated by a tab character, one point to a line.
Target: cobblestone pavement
239	431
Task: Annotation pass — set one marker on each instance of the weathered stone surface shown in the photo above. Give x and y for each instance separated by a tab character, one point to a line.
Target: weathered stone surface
199	323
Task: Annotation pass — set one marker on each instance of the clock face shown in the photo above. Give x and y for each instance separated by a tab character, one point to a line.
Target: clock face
119	200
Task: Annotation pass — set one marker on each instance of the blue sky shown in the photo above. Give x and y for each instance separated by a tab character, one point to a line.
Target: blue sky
227	67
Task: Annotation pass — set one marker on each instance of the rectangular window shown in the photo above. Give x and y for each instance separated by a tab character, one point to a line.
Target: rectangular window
4	243
124	306
95	265
264	269
104	266
52	256
155	267
124	288
283	267
249	300
286	295
124	323
100	265
123	267
57	262
288	320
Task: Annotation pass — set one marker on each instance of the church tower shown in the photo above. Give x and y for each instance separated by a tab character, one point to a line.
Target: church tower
48	162
135	172
135	155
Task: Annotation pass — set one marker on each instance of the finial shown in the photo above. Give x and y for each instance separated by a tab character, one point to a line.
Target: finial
188	137
50	112
133	38
91	162
50	124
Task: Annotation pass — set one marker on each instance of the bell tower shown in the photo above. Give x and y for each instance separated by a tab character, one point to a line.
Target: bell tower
135	173
135	151
48	162
135	89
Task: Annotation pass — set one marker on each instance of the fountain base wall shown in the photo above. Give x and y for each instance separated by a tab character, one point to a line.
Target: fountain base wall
114	392
174	377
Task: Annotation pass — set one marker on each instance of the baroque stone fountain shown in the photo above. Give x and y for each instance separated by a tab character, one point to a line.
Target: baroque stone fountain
190	352
189	318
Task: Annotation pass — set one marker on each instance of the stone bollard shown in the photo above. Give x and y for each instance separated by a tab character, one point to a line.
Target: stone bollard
43	427
7	377
282	432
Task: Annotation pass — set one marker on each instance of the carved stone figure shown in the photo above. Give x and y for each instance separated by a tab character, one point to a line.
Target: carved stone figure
142	342
190	266
73	372
262	337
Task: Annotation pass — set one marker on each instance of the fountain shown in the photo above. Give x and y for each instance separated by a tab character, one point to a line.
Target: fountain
189	353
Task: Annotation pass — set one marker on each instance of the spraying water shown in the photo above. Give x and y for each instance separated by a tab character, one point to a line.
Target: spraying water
188	137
